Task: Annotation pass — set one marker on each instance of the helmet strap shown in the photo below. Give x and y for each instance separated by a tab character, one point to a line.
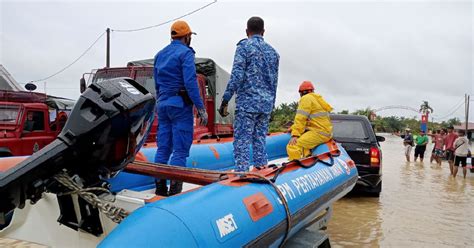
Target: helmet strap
304	92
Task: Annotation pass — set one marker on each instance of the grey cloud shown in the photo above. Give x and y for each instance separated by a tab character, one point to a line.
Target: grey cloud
358	54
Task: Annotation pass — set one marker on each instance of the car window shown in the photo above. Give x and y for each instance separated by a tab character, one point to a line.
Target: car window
349	129
102	75
145	78
34	121
9	114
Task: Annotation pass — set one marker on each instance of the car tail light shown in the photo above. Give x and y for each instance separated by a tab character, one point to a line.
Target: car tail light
374	156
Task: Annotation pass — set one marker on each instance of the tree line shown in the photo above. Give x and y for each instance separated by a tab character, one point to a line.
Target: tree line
283	115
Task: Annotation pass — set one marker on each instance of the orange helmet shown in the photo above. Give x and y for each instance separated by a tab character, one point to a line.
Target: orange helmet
306	86
180	29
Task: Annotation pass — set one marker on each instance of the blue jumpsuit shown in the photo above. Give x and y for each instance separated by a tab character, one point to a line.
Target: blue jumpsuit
174	69
254	80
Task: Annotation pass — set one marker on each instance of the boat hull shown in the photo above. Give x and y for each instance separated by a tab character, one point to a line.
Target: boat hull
220	215
216	215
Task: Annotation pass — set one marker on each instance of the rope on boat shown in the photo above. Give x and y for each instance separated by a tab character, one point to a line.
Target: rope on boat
116	214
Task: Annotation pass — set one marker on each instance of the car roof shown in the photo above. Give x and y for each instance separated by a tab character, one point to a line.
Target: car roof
348	117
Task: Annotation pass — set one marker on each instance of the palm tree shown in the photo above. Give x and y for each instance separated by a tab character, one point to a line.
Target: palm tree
425	108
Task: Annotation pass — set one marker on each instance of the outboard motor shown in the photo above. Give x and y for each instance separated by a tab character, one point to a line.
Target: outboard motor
106	128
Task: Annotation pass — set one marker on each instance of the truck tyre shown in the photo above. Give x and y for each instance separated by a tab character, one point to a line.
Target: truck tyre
5	152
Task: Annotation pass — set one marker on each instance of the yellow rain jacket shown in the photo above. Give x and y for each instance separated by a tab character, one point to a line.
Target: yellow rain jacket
312	125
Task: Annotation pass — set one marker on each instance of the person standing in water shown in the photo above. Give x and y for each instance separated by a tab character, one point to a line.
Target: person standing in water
461	152
420	148
407	143
449	147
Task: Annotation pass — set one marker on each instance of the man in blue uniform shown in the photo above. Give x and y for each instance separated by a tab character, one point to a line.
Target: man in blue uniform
254	80
176	90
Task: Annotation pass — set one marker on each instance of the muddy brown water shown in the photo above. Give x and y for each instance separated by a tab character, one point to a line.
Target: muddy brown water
421	205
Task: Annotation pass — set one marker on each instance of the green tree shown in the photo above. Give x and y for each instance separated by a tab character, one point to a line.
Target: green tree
395	124
380	125
282	116
365	112
451	122
344	112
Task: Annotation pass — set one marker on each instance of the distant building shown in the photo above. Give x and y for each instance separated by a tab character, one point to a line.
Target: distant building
470	128
7	82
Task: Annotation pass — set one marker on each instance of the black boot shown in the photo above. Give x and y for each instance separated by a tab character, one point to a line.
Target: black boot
175	187
161	188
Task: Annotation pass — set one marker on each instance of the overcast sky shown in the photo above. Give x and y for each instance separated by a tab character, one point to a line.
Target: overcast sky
358	53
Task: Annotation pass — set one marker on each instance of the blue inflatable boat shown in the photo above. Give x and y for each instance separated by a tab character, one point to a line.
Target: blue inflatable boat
209	156
263	208
243	211
106	129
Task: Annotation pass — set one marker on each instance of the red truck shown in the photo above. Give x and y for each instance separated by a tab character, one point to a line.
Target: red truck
212	81
29	121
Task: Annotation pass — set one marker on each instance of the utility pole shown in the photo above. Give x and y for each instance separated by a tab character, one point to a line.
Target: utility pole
467	111
107	54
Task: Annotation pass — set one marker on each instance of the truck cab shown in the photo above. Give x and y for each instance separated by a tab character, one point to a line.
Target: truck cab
212	81
27	123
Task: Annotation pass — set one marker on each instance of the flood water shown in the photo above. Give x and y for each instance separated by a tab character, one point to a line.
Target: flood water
421	205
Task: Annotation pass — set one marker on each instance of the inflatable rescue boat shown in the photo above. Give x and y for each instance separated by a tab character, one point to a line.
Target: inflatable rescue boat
79	177
262	208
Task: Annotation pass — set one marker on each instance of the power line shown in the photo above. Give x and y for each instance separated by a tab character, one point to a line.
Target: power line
166	22
452	112
450	109
455	106
121	30
73	62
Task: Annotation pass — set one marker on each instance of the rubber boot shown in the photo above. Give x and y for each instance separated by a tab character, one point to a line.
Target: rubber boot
175	187
161	187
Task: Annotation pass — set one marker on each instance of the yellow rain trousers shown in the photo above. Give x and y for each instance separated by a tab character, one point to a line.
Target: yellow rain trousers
312	126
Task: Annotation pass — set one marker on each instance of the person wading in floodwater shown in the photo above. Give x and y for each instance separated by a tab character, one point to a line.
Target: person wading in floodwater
407	143
449	147
420	148
461	152
438	140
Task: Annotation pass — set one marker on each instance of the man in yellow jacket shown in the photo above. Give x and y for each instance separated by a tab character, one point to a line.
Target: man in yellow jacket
312	125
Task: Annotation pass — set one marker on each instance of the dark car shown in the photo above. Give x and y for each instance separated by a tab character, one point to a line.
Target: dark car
357	136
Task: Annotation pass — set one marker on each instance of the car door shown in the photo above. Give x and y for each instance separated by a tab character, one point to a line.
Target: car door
35	133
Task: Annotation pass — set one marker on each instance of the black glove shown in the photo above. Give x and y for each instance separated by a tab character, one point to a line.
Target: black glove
223	108
203	115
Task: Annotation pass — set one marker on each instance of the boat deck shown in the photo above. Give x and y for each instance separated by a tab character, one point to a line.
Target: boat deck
15	243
